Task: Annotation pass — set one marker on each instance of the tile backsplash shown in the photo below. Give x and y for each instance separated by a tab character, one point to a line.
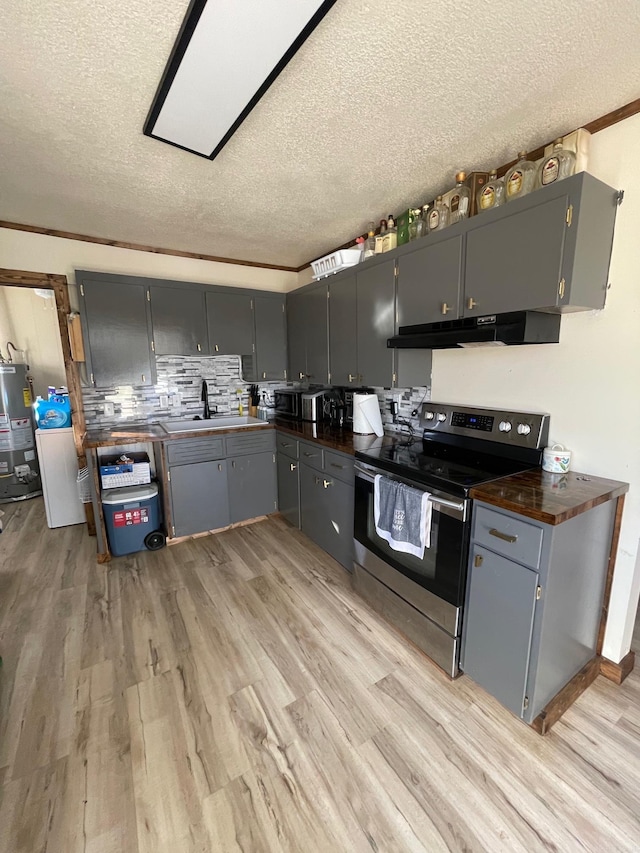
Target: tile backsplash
177	393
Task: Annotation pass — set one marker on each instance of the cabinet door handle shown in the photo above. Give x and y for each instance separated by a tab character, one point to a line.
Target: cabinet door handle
445	308
143	378
353	377
199	348
477	561
285	444
327	483
264	374
316	480
335	465
216	347
506	536
292	466
309	454
471	302
301	375
219	467
233	463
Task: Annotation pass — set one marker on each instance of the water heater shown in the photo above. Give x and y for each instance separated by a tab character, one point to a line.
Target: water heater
19	470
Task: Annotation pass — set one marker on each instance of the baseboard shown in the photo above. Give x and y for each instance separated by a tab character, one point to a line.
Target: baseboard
566	697
617	672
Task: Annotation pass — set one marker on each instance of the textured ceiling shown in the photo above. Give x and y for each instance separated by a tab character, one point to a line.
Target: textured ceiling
376	111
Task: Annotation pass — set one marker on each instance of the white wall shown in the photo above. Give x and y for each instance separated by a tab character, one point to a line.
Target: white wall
6	326
34	328
589	382
22	250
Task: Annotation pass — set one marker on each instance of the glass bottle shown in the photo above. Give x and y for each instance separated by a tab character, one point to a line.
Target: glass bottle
492	193
438	215
382	233
521	178
415	226
460	200
370	242
423	229
559	164
391	239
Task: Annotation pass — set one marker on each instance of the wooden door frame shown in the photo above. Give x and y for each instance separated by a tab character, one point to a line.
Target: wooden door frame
60	287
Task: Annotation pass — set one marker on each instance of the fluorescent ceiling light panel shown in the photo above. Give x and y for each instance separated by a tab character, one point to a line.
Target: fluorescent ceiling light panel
227	55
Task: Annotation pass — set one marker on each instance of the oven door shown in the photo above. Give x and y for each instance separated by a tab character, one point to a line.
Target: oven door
442	569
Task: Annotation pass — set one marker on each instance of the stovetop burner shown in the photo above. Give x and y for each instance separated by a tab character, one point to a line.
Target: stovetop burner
462	447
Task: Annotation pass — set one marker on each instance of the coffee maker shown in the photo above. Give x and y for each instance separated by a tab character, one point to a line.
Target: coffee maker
335	409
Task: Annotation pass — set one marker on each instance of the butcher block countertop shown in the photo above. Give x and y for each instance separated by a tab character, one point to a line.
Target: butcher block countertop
331	437
114	436
550	498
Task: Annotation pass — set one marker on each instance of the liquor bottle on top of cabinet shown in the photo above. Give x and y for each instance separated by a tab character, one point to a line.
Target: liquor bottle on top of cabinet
559	164
492	193
370	242
459	199
438	215
416	226
521	178
391	235
380	236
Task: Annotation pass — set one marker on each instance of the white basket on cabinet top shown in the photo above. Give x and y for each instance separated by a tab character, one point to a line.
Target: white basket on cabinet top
336	261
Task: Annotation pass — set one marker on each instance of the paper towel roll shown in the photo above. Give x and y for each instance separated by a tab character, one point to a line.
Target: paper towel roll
366	414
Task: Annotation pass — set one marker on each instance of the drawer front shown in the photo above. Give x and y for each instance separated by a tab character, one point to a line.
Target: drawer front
312	454
251	442
339	466
187	450
287	444
512	537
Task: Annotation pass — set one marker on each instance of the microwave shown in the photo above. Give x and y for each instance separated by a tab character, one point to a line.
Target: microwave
288	403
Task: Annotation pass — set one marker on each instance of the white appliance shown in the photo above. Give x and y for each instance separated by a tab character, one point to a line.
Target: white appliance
59	471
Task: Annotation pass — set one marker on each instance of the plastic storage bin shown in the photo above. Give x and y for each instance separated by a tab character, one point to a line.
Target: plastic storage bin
54	413
132	517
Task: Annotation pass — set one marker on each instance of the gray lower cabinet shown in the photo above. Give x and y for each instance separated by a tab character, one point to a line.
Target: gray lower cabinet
430	282
533	606
307	334
326	510
116	326
289	488
270	338
252	485
179	321
230	323
199	498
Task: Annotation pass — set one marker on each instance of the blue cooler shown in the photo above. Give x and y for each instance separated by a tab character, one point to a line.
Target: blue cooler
133	519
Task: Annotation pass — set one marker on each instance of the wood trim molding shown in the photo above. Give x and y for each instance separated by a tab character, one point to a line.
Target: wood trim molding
567	696
58	283
613	552
617	672
139	247
594	126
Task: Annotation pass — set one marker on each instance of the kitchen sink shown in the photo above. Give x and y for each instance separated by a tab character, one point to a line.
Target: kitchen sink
222	422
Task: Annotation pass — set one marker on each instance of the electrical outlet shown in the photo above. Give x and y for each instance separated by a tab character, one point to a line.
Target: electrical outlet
109	410
174	400
164	401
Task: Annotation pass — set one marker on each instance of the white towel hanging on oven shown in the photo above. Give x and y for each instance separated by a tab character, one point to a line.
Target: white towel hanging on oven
402	516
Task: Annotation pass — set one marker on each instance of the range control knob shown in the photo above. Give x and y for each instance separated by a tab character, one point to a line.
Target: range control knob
504	426
429	416
442	417
524	429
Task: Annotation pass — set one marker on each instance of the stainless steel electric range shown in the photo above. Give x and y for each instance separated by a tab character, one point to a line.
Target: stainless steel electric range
460	447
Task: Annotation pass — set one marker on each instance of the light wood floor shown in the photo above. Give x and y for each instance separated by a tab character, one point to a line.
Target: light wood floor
232	693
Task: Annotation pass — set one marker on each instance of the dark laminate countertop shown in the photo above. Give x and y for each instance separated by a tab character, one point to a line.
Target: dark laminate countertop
335	439
550	498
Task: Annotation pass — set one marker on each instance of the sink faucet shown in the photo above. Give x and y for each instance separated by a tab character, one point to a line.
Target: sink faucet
206	414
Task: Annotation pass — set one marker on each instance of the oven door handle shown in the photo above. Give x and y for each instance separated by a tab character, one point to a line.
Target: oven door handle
366	475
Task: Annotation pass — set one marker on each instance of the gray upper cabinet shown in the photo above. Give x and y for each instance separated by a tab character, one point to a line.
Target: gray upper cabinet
307	334
430	282
179	321
375	300
343	347
271	337
116	324
549	250
515	263
230	323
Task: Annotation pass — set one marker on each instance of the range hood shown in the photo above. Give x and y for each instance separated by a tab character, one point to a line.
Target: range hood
515	327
